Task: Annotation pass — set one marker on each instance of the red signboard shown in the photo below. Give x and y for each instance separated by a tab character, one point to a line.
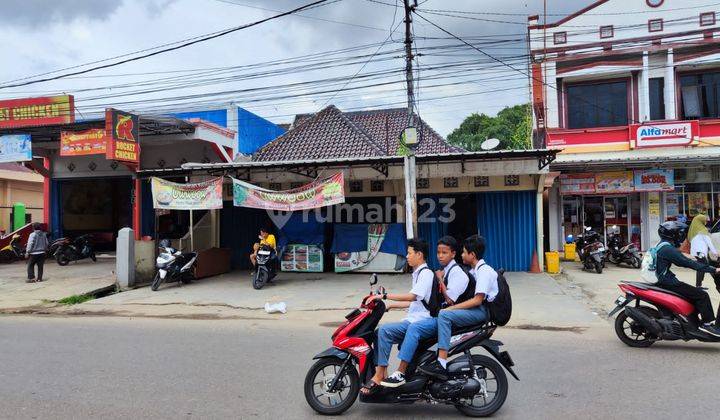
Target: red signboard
123	136
79	143
29	112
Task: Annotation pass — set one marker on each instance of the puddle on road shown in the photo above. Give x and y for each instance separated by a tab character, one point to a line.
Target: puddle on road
576	330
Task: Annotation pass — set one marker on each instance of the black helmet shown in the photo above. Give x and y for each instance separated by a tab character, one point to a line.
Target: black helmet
673	232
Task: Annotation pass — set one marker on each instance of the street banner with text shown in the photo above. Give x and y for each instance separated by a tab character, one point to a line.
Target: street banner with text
320	193
197	196
79	143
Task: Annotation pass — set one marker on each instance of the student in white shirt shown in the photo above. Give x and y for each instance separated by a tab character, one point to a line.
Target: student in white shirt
701	246
457	280
470	312
393	333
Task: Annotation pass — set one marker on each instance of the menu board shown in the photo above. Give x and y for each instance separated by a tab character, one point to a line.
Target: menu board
302	258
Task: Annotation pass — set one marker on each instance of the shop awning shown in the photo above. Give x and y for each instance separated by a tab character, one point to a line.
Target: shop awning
666	157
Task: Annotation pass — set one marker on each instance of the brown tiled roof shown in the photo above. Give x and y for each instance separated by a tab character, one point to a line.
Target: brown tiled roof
333	134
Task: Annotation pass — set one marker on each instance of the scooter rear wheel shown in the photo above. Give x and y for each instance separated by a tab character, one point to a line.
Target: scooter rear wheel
631	333
497	388
320	376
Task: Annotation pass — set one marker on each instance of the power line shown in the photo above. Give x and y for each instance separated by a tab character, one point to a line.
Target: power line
186	44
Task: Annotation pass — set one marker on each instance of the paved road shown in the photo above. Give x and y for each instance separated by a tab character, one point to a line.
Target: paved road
105	367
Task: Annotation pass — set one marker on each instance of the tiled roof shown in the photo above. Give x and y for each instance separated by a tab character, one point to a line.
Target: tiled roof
334	134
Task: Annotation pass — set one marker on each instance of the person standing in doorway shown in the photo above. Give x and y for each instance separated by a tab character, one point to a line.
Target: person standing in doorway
36	247
701	246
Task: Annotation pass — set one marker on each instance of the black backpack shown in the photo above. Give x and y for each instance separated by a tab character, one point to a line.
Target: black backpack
501	308
436	299
469	292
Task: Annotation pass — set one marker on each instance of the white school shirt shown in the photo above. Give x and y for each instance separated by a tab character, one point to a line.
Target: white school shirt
421	287
485	280
700	244
457	281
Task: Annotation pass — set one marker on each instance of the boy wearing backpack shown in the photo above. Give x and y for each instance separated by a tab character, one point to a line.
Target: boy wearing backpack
452	287
470	312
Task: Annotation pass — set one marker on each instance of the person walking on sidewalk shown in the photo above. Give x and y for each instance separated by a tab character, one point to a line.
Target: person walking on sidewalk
36	247
701	246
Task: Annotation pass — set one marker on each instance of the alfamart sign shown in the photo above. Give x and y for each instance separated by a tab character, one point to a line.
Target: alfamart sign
320	193
667	134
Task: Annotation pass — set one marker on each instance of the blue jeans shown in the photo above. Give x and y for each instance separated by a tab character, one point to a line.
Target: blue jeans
417	331
458	318
389	334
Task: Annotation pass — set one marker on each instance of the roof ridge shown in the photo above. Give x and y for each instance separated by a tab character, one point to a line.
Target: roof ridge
361	131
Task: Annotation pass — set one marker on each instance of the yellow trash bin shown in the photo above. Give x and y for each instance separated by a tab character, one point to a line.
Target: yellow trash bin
570	252
552	261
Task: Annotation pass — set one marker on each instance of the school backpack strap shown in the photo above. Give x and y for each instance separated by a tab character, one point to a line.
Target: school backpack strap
434	289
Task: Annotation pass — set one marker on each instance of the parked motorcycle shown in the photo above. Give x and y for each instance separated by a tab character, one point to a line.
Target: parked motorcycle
79	249
657	314
476	385
265	268
591	250
12	251
54	245
618	253
173	265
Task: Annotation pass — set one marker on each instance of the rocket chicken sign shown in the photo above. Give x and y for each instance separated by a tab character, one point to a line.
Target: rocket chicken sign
123	136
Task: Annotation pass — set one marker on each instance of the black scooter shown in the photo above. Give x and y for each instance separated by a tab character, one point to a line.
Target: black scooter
265	268
79	249
619	253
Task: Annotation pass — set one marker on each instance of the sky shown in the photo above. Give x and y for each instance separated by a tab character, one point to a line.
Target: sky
343	53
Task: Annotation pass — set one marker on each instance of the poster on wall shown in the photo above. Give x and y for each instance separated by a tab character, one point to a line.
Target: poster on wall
122	131
198	196
28	112
698	202
615	182
302	258
577	183
655	180
79	143
320	193
672	205
15	148
349	261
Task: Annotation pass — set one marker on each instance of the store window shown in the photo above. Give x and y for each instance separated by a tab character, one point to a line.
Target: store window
602	104
572	216
700	95
657	98
694	199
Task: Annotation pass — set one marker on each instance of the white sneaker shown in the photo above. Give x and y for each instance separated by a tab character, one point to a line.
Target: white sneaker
393	381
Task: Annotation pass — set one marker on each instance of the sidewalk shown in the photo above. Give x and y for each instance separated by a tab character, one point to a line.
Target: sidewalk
78	278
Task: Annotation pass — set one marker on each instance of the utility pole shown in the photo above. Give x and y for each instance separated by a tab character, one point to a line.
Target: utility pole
410	134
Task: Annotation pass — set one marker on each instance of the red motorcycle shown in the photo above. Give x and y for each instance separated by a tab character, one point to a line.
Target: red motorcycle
657	314
476	384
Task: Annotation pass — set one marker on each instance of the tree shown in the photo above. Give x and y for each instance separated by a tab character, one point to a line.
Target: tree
512	126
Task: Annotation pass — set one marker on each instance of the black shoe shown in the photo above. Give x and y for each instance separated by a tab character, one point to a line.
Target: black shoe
434	369
393	381
710	329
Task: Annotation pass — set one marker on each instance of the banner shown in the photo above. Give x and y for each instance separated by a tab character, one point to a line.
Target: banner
320	193
302	258
200	196
15	148
123	136
655	180
28	112
616	182
577	184
349	261
79	143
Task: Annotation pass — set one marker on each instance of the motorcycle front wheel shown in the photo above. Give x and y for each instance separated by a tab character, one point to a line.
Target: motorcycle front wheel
320	376
636	262
259	279
598	267
157	281
62	259
496	389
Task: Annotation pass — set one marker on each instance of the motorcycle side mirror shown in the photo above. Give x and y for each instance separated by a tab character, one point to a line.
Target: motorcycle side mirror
374	279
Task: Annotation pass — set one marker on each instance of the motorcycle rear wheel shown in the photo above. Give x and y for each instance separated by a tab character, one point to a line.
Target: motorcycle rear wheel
326	369
624	329
259	279
494	373
157	281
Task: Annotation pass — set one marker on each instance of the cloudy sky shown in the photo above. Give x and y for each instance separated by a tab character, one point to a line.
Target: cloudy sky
342	53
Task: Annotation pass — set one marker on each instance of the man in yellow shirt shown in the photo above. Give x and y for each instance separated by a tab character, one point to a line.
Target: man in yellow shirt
266	238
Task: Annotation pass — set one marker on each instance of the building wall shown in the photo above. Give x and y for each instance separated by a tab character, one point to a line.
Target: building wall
26	192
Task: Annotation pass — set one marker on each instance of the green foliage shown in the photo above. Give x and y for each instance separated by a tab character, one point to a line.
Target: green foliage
75	299
512	126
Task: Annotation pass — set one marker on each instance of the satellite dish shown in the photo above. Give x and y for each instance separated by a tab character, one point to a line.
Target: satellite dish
490	144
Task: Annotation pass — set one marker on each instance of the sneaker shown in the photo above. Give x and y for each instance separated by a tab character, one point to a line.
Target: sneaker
434	369
710	329
393	381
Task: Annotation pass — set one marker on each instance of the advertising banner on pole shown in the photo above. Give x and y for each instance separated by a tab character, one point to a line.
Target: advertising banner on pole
616	182
28	112
15	148
123	136
655	180
320	193
349	261
79	143
198	196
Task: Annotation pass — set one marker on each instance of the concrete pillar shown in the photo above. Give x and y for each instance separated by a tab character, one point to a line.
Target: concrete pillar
554	219
669	92
137	208
539	222
125	258
552	110
644	96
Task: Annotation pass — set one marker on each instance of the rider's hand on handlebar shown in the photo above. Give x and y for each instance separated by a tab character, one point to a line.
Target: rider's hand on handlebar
717	270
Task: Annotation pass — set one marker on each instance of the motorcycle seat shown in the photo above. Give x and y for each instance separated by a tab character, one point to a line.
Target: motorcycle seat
652	286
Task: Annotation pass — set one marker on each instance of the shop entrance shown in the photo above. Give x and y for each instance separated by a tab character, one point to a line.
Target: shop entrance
603	214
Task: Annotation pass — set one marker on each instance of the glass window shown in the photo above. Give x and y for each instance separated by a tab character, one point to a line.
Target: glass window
597	104
700	95
657	98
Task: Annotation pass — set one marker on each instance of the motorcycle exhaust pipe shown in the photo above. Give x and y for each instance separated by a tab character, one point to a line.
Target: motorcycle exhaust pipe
648	323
